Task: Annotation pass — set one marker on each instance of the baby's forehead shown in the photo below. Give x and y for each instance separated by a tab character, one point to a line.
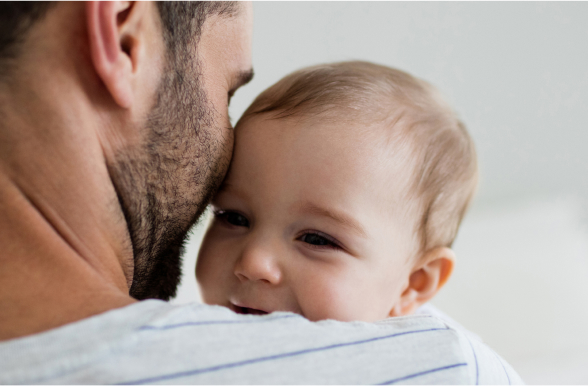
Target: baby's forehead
380	149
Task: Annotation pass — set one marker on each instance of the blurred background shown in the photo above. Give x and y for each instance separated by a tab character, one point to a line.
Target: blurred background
517	73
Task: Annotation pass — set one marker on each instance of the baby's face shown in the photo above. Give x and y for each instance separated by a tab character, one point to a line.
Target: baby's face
309	220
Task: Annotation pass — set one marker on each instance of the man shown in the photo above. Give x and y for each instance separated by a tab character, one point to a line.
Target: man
114	134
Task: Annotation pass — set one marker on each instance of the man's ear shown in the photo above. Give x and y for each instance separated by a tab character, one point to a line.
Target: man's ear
435	268
112	27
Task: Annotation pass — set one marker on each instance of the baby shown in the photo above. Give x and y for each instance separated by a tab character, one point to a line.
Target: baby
346	190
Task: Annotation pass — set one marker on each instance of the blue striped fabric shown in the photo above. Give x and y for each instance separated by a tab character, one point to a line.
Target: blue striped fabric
419	374
155	342
209	322
224	366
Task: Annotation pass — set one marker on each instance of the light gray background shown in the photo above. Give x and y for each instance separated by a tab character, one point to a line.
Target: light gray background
517	73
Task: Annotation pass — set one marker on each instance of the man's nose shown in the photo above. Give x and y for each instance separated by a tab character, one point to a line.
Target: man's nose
258	263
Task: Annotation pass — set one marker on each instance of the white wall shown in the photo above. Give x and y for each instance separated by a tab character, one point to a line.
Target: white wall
520	283
518	75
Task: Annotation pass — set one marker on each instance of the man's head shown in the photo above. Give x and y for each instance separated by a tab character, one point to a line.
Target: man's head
153	81
346	189
165	184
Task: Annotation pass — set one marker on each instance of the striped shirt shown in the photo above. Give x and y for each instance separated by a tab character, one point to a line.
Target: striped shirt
157	342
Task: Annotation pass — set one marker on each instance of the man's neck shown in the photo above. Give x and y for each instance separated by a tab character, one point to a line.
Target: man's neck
66	252
46	283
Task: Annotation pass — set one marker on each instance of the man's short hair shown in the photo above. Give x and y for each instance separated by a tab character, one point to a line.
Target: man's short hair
181	22
443	156
16	18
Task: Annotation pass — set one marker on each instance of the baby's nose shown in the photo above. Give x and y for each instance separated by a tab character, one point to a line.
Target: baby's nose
258	264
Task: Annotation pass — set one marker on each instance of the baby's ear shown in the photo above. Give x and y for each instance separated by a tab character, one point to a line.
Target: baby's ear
430	274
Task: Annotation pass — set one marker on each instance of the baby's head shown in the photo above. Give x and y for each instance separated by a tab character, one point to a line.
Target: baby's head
346	190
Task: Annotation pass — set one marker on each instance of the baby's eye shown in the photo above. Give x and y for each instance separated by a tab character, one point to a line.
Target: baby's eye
232	218
319	240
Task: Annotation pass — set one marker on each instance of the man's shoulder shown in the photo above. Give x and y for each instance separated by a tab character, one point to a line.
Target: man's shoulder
153	342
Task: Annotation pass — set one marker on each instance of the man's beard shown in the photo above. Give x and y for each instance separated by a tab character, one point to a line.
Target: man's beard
165	184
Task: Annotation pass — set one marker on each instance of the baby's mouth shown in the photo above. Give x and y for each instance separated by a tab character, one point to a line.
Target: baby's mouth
247	310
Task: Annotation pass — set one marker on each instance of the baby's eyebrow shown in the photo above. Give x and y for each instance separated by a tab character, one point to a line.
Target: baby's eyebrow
341	218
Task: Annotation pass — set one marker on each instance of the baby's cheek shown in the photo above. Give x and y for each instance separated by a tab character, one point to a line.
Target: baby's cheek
212	271
348	297
330	299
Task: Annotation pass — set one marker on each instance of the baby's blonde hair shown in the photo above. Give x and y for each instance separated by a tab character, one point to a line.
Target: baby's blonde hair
444	163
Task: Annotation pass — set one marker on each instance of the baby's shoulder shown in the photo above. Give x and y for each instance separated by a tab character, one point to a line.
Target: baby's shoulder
431	310
487	366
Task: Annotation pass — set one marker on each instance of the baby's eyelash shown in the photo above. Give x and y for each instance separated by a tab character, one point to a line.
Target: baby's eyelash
231	217
331	243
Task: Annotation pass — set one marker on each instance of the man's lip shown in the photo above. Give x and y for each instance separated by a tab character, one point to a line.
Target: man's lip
241	309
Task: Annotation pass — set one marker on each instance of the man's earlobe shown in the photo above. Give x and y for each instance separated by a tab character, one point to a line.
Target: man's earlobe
111	47
435	268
